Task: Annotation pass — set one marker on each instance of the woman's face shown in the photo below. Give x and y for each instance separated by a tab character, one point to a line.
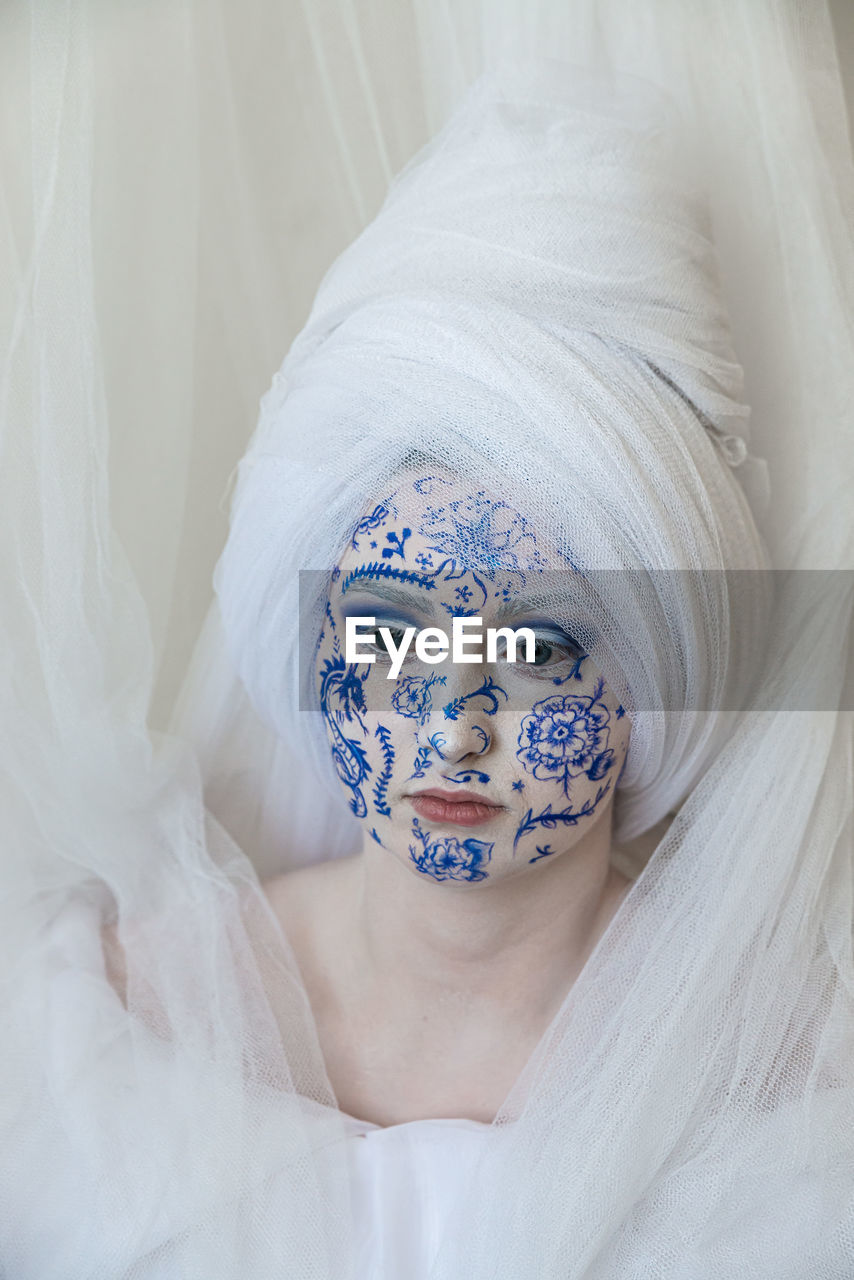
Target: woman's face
465	771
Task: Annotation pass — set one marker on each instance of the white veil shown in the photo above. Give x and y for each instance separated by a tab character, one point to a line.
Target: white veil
689	1111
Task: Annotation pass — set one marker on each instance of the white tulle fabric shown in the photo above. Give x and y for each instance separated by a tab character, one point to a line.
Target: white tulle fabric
550	302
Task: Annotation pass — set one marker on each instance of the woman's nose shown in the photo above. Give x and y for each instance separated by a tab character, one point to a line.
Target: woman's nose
459	724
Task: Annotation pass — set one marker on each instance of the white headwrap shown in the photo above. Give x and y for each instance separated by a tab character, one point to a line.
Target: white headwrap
537	308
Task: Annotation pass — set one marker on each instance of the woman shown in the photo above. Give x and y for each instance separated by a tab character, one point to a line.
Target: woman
422	987
519	383
505	398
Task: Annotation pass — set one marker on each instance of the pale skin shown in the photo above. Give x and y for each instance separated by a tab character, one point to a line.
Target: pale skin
430	994
429	1002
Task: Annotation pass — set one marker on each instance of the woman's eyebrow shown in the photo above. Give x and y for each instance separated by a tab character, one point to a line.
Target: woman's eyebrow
415	600
394	594
531	604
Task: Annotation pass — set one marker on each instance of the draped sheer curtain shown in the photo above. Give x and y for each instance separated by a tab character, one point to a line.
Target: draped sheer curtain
234	151
175	178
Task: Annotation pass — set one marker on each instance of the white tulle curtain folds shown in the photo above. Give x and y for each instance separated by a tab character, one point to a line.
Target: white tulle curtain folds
104	835
177	177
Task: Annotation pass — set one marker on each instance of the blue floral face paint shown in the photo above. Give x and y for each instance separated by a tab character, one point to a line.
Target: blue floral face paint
482	770
447	858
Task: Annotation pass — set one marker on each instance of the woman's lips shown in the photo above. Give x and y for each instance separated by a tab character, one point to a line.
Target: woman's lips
460	807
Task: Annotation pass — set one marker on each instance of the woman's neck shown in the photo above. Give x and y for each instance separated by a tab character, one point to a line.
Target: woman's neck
521	939
430	998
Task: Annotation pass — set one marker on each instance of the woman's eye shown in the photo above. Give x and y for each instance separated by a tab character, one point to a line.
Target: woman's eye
550	651
396	635
544	653
384	650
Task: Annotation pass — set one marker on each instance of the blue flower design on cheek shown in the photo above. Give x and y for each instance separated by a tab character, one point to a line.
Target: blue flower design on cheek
566	736
412	697
449	859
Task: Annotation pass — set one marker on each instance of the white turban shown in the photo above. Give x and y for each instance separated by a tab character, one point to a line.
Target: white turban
536	307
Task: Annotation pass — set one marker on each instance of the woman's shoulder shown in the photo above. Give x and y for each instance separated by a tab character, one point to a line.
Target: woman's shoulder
308	881
310	899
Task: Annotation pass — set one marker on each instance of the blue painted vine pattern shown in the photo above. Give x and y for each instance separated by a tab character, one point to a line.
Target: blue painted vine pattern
381	784
467	775
488	691
476	537
421	763
547	818
377	570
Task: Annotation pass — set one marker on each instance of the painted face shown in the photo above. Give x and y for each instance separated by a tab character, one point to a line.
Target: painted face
464	771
